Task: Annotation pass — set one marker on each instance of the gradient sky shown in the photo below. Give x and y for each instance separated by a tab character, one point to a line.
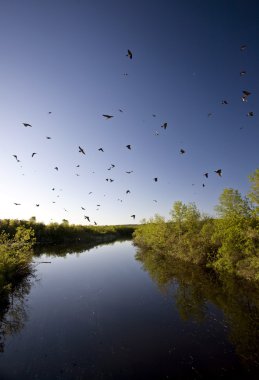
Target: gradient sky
68	57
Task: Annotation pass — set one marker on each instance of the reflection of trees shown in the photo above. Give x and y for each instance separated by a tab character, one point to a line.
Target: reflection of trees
65	249
192	288
13	310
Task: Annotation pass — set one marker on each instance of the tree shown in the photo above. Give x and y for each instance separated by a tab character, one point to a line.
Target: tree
253	195
231	203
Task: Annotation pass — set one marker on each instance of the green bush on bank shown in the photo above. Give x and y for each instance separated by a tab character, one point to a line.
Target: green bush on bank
15	255
228	244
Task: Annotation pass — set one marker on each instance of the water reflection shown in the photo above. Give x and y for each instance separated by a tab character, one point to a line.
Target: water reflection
194	289
13	313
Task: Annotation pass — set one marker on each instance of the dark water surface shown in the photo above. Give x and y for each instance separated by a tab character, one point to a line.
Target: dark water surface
103	314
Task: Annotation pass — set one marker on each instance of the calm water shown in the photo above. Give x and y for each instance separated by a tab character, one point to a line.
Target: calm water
107	314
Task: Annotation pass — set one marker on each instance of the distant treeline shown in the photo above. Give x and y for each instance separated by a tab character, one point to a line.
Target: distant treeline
228	244
55	233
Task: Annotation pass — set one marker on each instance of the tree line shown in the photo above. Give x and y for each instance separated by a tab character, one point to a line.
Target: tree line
228	243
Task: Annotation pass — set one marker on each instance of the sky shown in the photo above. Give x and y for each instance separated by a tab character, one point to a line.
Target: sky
64	65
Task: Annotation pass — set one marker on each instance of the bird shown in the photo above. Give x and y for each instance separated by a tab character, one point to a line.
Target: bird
53	188
125	74
112	165
56	168
108	116
90	192
37	205
203	185
224	102
182	151
209	114
243	47
133	216
81	150
27	125
98	205
111	180
242	73
33	154
153	115
154	200
77	166
129	172
128	146
206	175
50	112
101	149
17	204
156	133
155	179
164	126
129	54
82	208
128	191
120	110
250	113
245	95
95	223
87	217
219	172
14	155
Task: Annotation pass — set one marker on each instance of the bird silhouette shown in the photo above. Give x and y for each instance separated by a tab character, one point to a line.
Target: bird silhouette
153	115
250	114
129	172
95	223
209	114
224	102
108	116
129	54
245	95
128	146
206	175
50	112
77	166
101	149
133	216
81	150
128	191
33	154
243	47
82	208
120	110
56	168
111	180
48	137
14	155
17	204
37	204
155	179
154	200
242	73
87	217
27	125
219	172
164	126
203	185
182	151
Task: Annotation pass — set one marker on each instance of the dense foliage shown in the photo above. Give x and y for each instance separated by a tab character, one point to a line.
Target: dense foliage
227	244
15	256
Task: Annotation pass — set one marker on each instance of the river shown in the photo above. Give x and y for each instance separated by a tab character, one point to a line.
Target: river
107	313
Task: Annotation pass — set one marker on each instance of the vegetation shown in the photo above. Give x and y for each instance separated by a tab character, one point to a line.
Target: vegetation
228	244
15	256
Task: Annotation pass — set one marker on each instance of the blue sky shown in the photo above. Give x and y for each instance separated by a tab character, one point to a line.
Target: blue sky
69	58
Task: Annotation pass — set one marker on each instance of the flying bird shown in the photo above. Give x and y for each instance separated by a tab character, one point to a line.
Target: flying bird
81	150
206	175
14	155
50	112
48	137
108	116
17	204
87	217
250	113
164	126
82	208
155	179
245	95
95	223
154	200
219	172
182	151
243	47
56	168
128	191
133	216
224	102
77	166
129	54
129	172
242	73
101	149
120	110
37	205
128	146
33	154
27	125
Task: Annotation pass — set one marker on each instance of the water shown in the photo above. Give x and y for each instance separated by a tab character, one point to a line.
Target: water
102	314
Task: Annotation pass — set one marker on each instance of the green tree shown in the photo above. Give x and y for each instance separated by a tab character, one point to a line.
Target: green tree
254	190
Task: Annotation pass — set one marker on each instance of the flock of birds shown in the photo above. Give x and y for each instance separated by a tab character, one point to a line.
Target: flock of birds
81	150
